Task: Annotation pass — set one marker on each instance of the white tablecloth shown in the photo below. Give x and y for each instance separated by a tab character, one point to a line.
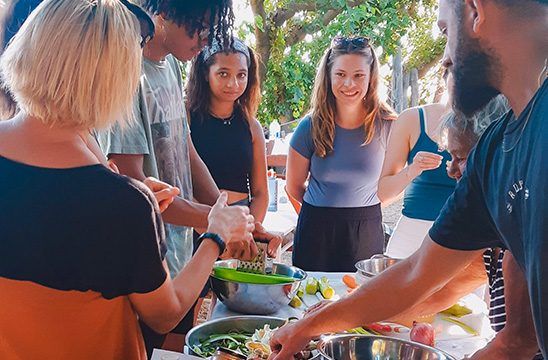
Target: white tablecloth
449	338
284	220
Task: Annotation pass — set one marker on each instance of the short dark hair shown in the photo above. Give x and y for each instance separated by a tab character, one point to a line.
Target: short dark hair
193	14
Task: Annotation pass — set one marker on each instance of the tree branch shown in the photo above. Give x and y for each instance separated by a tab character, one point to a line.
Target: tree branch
426	67
284	14
298	32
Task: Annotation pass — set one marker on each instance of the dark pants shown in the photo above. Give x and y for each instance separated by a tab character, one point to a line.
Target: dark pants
334	239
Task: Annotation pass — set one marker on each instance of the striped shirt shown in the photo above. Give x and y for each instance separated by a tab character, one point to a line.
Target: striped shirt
497	310
493	265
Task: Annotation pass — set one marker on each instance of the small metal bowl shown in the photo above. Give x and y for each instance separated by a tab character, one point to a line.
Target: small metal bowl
257	299
371	347
247	324
372	267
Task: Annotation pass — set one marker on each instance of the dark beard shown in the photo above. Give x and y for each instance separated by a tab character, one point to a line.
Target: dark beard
475	71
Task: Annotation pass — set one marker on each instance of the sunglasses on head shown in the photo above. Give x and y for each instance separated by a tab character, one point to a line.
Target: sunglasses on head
341	42
145	22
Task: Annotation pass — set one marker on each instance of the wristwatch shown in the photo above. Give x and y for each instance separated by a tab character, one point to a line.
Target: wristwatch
215	238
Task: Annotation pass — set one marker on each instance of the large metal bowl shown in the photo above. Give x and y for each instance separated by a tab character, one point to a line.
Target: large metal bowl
257	299
370	347
372	267
246	324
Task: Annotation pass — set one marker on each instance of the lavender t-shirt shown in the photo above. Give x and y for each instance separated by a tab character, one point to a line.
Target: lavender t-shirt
349	176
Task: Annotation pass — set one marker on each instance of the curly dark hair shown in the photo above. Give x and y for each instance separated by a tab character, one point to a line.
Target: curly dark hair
198	93
194	14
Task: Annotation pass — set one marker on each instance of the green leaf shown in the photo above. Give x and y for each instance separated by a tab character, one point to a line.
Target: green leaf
259	22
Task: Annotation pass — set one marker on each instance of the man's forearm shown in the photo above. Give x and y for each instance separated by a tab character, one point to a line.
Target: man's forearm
374	301
464	283
186	213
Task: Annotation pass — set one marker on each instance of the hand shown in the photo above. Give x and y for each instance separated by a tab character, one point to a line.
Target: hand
423	161
164	193
288	341
274	241
235	226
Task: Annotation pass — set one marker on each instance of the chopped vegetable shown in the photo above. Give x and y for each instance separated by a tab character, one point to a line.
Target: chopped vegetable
300	291
327	291
465	327
350	281
457	310
296	302
380	328
253	346
360	330
311	286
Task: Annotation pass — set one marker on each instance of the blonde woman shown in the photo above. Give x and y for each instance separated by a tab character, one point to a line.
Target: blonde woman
340	148
81	249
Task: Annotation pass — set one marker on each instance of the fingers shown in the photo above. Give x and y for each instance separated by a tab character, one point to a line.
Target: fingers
273	245
166	194
259	228
221	200
253	248
427	160
155	184
112	166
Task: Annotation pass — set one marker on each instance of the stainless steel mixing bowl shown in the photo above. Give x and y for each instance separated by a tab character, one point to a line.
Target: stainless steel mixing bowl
257	299
247	324
375	265
371	347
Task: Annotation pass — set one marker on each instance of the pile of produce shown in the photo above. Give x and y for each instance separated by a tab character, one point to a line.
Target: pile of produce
321	288
252	346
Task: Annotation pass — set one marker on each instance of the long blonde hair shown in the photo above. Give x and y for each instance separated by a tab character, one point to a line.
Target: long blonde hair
323	104
75	63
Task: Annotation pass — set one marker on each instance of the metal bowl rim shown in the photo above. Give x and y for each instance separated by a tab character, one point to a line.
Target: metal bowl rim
226	319
361	269
324	339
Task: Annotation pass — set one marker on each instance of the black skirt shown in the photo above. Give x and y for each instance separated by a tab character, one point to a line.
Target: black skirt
334	239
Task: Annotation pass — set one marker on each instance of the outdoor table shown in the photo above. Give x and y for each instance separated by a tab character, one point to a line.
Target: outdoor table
449	337
283	221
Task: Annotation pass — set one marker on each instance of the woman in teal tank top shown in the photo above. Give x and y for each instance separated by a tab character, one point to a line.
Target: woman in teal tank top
414	164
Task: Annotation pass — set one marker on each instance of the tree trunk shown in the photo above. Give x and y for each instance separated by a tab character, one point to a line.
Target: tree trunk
262	38
414	83
397	81
405	89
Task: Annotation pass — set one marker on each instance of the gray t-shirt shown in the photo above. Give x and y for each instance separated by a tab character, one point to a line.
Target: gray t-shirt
161	134
349	176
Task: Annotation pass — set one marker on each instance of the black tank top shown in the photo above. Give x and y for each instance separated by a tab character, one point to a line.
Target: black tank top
226	147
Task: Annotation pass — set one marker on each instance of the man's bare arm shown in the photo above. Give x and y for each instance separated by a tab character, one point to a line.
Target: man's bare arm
180	212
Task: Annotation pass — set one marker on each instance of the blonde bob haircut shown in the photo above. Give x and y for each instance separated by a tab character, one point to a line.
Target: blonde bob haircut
75	63
323	105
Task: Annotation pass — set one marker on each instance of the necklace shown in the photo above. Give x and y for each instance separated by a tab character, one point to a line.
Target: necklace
226	121
543	74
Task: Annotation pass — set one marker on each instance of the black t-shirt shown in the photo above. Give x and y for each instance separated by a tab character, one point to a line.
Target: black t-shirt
82	228
502	195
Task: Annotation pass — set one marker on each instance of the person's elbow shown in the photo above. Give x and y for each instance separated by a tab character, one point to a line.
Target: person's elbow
383	193
295	191
164	323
